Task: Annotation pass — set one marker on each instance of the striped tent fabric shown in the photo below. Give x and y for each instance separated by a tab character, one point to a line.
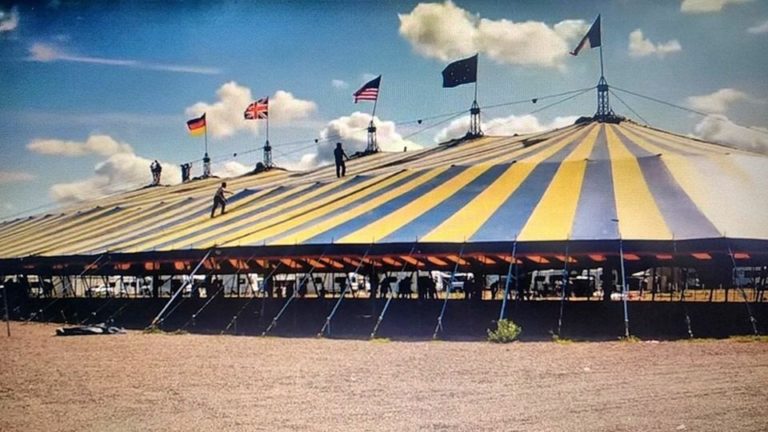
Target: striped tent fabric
587	183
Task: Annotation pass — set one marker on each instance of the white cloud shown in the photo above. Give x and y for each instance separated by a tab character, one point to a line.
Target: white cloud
284	107
231	169
225	116
45	53
717	102
704	6
639	46
9	20
503	126
447	32
102	145
352	132
15	177
759	29
718	128
120	172
339	84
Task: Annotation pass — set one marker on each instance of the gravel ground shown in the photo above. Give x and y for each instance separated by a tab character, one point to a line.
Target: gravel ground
139	382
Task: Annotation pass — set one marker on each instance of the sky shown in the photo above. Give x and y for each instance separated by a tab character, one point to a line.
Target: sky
92	92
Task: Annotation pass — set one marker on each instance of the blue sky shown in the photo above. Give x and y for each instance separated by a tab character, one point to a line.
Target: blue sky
93	91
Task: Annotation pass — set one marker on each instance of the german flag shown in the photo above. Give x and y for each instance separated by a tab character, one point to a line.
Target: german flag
196	126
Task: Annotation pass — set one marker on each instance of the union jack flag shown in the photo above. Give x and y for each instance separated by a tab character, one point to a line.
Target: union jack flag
257	110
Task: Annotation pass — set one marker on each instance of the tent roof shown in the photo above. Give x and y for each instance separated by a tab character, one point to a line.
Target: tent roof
589	184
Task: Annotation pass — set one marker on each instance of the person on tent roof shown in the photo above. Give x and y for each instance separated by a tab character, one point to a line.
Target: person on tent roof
339	156
220	199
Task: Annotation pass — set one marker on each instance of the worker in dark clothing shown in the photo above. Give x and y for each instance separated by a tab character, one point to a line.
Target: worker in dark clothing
185	170
339	156
156	169
220	199
153	168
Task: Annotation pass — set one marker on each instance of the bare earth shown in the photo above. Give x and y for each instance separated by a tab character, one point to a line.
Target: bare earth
140	382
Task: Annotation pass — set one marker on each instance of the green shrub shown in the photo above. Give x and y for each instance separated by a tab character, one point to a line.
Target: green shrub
506	331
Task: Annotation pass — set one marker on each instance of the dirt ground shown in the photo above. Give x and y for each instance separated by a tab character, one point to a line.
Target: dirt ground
159	382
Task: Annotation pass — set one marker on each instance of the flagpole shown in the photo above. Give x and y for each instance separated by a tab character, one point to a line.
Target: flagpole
601	59
375	101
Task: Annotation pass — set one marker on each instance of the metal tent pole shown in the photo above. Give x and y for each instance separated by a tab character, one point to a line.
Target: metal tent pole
624	293
512	263
292	297
327	325
5	303
85	270
752	319
439	326
564	289
389	295
157	320
268	276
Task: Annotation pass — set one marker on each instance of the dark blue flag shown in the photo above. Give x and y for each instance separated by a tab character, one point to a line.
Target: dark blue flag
591	39
460	72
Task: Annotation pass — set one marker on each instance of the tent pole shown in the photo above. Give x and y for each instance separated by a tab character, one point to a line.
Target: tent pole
564	288
682	302
439	326
263	299
624	293
85	270
292	297
210	298
389	294
327	325
5	304
752	319
512	263
157	320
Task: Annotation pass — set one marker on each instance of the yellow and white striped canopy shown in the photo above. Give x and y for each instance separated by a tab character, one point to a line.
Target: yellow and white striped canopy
591	182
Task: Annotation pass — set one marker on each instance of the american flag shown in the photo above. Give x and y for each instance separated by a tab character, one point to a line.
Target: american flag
368	92
257	110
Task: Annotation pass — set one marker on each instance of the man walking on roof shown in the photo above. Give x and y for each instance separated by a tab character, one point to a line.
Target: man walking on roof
220	199
339	155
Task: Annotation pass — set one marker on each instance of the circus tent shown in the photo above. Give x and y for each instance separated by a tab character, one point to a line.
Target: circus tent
579	194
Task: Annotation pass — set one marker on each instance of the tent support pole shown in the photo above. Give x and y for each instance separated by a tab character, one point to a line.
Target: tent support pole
564	288
85	270
291	298
682	302
5	304
439	326
158	319
327	325
752	319
512	263
624	293
267	277
389	295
